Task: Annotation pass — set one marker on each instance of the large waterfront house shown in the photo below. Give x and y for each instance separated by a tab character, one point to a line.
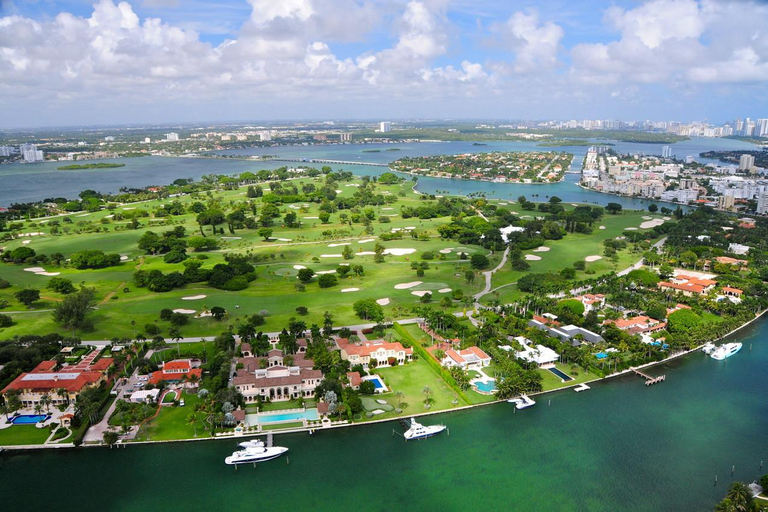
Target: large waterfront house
688	285
639	324
62	385
381	352
275	377
467	359
591	301
541	355
569	333
176	371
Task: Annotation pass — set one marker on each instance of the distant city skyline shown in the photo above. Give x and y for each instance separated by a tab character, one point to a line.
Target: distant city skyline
79	62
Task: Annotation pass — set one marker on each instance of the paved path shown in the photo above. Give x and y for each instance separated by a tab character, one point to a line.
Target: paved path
489	274
639	264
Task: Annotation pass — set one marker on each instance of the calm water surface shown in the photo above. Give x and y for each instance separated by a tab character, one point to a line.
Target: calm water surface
618	447
32	182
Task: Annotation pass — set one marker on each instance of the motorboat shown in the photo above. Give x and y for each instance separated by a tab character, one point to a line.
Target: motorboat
726	350
255	454
251	443
418	431
708	348
522	402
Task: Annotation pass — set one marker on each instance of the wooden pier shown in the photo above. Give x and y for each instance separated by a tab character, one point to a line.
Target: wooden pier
649	381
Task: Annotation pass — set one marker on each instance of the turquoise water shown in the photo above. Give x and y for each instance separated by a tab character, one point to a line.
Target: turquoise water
31	182
377	382
560	375
622	446
488	387
309	414
28	419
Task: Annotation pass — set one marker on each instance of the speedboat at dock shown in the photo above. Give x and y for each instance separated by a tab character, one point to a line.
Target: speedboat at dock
522	402
726	350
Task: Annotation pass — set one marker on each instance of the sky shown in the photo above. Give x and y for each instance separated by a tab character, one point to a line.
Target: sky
79	62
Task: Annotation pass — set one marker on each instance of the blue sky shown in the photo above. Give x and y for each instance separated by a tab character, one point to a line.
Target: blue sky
82	62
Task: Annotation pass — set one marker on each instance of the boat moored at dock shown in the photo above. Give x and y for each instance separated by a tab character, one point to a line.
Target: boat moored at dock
724	351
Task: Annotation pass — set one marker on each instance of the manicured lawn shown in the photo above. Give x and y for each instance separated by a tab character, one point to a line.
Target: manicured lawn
23	434
280	406
280	426
551	381
411	380
171	423
169	397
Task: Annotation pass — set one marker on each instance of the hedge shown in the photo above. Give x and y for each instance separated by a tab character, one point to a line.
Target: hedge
437	367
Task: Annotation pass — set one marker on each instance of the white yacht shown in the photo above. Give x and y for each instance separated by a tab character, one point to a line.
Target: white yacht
255	454
726	350
251	443
418	431
522	402
708	348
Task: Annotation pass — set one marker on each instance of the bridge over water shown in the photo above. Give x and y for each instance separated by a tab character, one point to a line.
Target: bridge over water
325	161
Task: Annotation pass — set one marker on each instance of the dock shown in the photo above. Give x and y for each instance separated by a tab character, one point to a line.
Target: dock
580	388
649	381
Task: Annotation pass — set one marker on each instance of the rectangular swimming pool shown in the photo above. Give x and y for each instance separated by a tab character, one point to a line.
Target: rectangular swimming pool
29	419
377	382
309	414
560	374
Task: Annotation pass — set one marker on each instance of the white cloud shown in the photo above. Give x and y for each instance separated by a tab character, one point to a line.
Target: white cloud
665	41
534	44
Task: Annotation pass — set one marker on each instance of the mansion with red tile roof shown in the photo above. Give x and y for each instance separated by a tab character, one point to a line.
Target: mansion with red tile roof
176	371
379	351
466	359
63	385
688	285
275	378
638	324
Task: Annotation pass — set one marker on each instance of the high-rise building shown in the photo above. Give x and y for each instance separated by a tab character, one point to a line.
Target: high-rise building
172	136
762	203
385	126
6	150
30	153
761	128
346	137
746	162
265	136
666	151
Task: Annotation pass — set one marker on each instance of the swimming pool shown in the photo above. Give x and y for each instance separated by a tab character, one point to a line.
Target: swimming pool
309	414
561	375
29	419
601	355
378	383
486	387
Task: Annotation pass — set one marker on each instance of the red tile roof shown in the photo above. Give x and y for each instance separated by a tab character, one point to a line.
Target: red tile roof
354	379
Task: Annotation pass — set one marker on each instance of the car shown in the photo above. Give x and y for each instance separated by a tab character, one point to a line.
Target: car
181	403
138	385
143	378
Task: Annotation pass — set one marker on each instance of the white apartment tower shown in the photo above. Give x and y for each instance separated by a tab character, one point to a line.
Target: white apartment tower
30	153
385	126
746	162
346	137
666	151
173	136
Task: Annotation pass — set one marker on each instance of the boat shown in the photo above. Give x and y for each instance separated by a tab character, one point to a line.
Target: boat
418	431
522	402
708	348
726	350
255	454
252	443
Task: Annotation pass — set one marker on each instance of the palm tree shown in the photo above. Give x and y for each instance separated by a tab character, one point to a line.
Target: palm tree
175	335
192	420
739	495
427	392
38	409
45	401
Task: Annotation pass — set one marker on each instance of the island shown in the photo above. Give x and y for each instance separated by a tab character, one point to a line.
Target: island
98	165
497	166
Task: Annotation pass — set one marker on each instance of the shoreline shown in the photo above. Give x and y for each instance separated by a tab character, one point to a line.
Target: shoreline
346	424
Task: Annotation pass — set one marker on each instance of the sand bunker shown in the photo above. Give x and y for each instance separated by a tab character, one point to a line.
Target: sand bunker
631	229
651	223
194	297
666	218
123	258
231	238
601	227
352	185
347	290
130	208
311	217
339	244
338	191
25	242
366	253
343	264
106	217
366	240
410	227
421	293
444	290
383	302
445	251
399	252
387	208
541	249
326	272
299	267
47	273
590	259
531	257
405	286
185	311
84	215
34	269
330	255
